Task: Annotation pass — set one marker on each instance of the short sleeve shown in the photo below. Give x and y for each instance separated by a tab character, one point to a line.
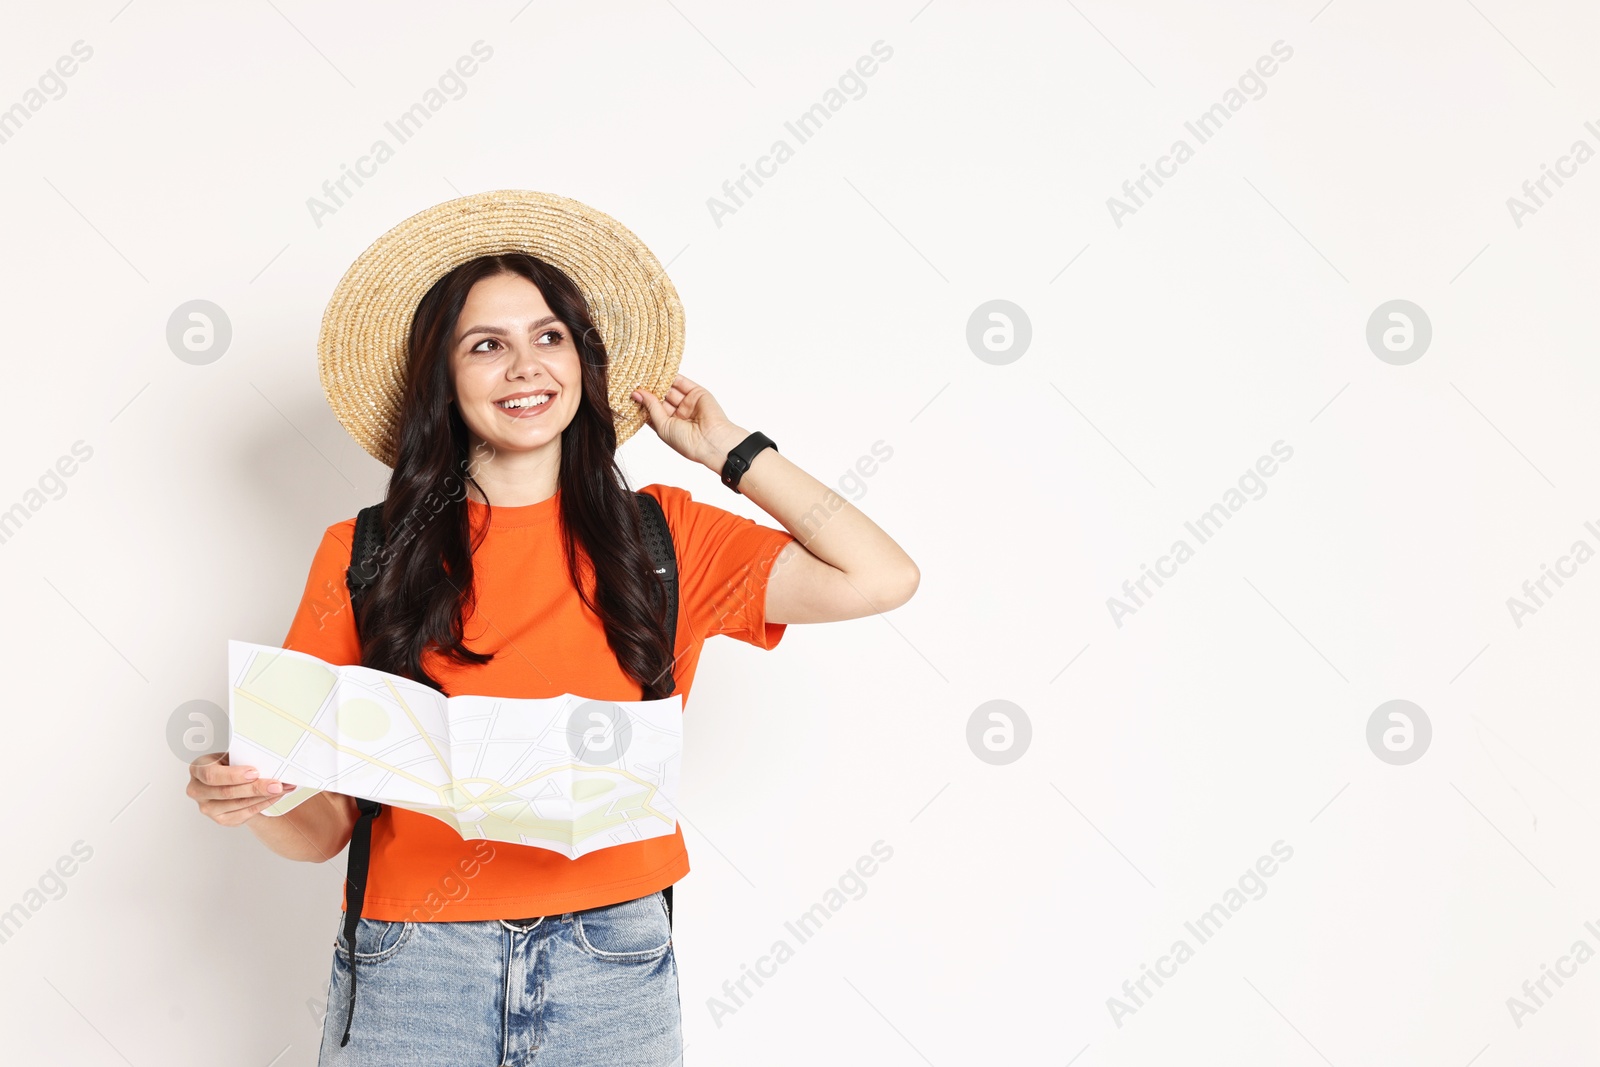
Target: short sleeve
324	623
724	562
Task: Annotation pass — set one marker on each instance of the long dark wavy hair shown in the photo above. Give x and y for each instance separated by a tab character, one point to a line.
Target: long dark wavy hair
424	583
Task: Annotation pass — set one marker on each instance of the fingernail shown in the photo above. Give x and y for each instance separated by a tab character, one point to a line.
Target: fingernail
274	787
250	774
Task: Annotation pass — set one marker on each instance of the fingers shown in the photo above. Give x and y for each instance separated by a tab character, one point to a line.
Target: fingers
232	812
201	766
676	392
647	400
221	788
693	402
267	787
681	387
656	409
213	769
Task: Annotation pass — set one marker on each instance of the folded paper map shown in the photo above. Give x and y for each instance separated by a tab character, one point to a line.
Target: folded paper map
565	773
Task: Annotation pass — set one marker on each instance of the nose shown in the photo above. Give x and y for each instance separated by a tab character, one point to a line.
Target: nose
525	362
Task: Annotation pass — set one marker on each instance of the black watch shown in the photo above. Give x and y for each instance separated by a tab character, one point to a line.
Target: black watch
741	456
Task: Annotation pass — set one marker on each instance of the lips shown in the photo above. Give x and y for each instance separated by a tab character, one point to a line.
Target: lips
525	393
530	412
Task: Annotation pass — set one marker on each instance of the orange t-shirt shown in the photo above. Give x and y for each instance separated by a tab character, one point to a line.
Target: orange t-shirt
545	643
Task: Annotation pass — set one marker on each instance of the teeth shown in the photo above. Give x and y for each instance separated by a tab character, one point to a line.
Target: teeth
527	401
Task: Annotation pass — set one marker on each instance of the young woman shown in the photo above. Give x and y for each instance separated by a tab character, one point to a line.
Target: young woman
530	580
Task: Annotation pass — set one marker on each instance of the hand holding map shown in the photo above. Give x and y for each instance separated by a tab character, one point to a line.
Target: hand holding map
564	773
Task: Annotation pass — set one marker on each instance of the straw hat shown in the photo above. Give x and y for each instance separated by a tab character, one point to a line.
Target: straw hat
361	351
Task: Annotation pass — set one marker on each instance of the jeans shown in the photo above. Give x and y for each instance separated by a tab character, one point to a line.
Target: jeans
584	988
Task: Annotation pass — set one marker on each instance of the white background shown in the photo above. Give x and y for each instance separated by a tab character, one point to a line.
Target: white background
831	311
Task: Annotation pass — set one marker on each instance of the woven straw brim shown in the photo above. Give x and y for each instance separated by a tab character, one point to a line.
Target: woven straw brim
361	351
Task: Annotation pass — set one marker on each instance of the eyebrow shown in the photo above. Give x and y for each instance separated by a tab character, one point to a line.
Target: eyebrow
498	332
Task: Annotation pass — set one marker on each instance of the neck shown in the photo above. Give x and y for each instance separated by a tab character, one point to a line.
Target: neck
514	479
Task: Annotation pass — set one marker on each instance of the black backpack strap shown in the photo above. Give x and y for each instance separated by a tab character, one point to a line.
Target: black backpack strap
359	576
363	569
355	892
658	539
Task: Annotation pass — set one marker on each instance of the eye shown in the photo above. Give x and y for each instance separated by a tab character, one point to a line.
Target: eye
551	332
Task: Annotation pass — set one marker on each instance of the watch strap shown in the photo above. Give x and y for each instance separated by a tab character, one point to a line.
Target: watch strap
741	456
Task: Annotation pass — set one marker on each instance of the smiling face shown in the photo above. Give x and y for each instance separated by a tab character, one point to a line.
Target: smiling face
509	345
